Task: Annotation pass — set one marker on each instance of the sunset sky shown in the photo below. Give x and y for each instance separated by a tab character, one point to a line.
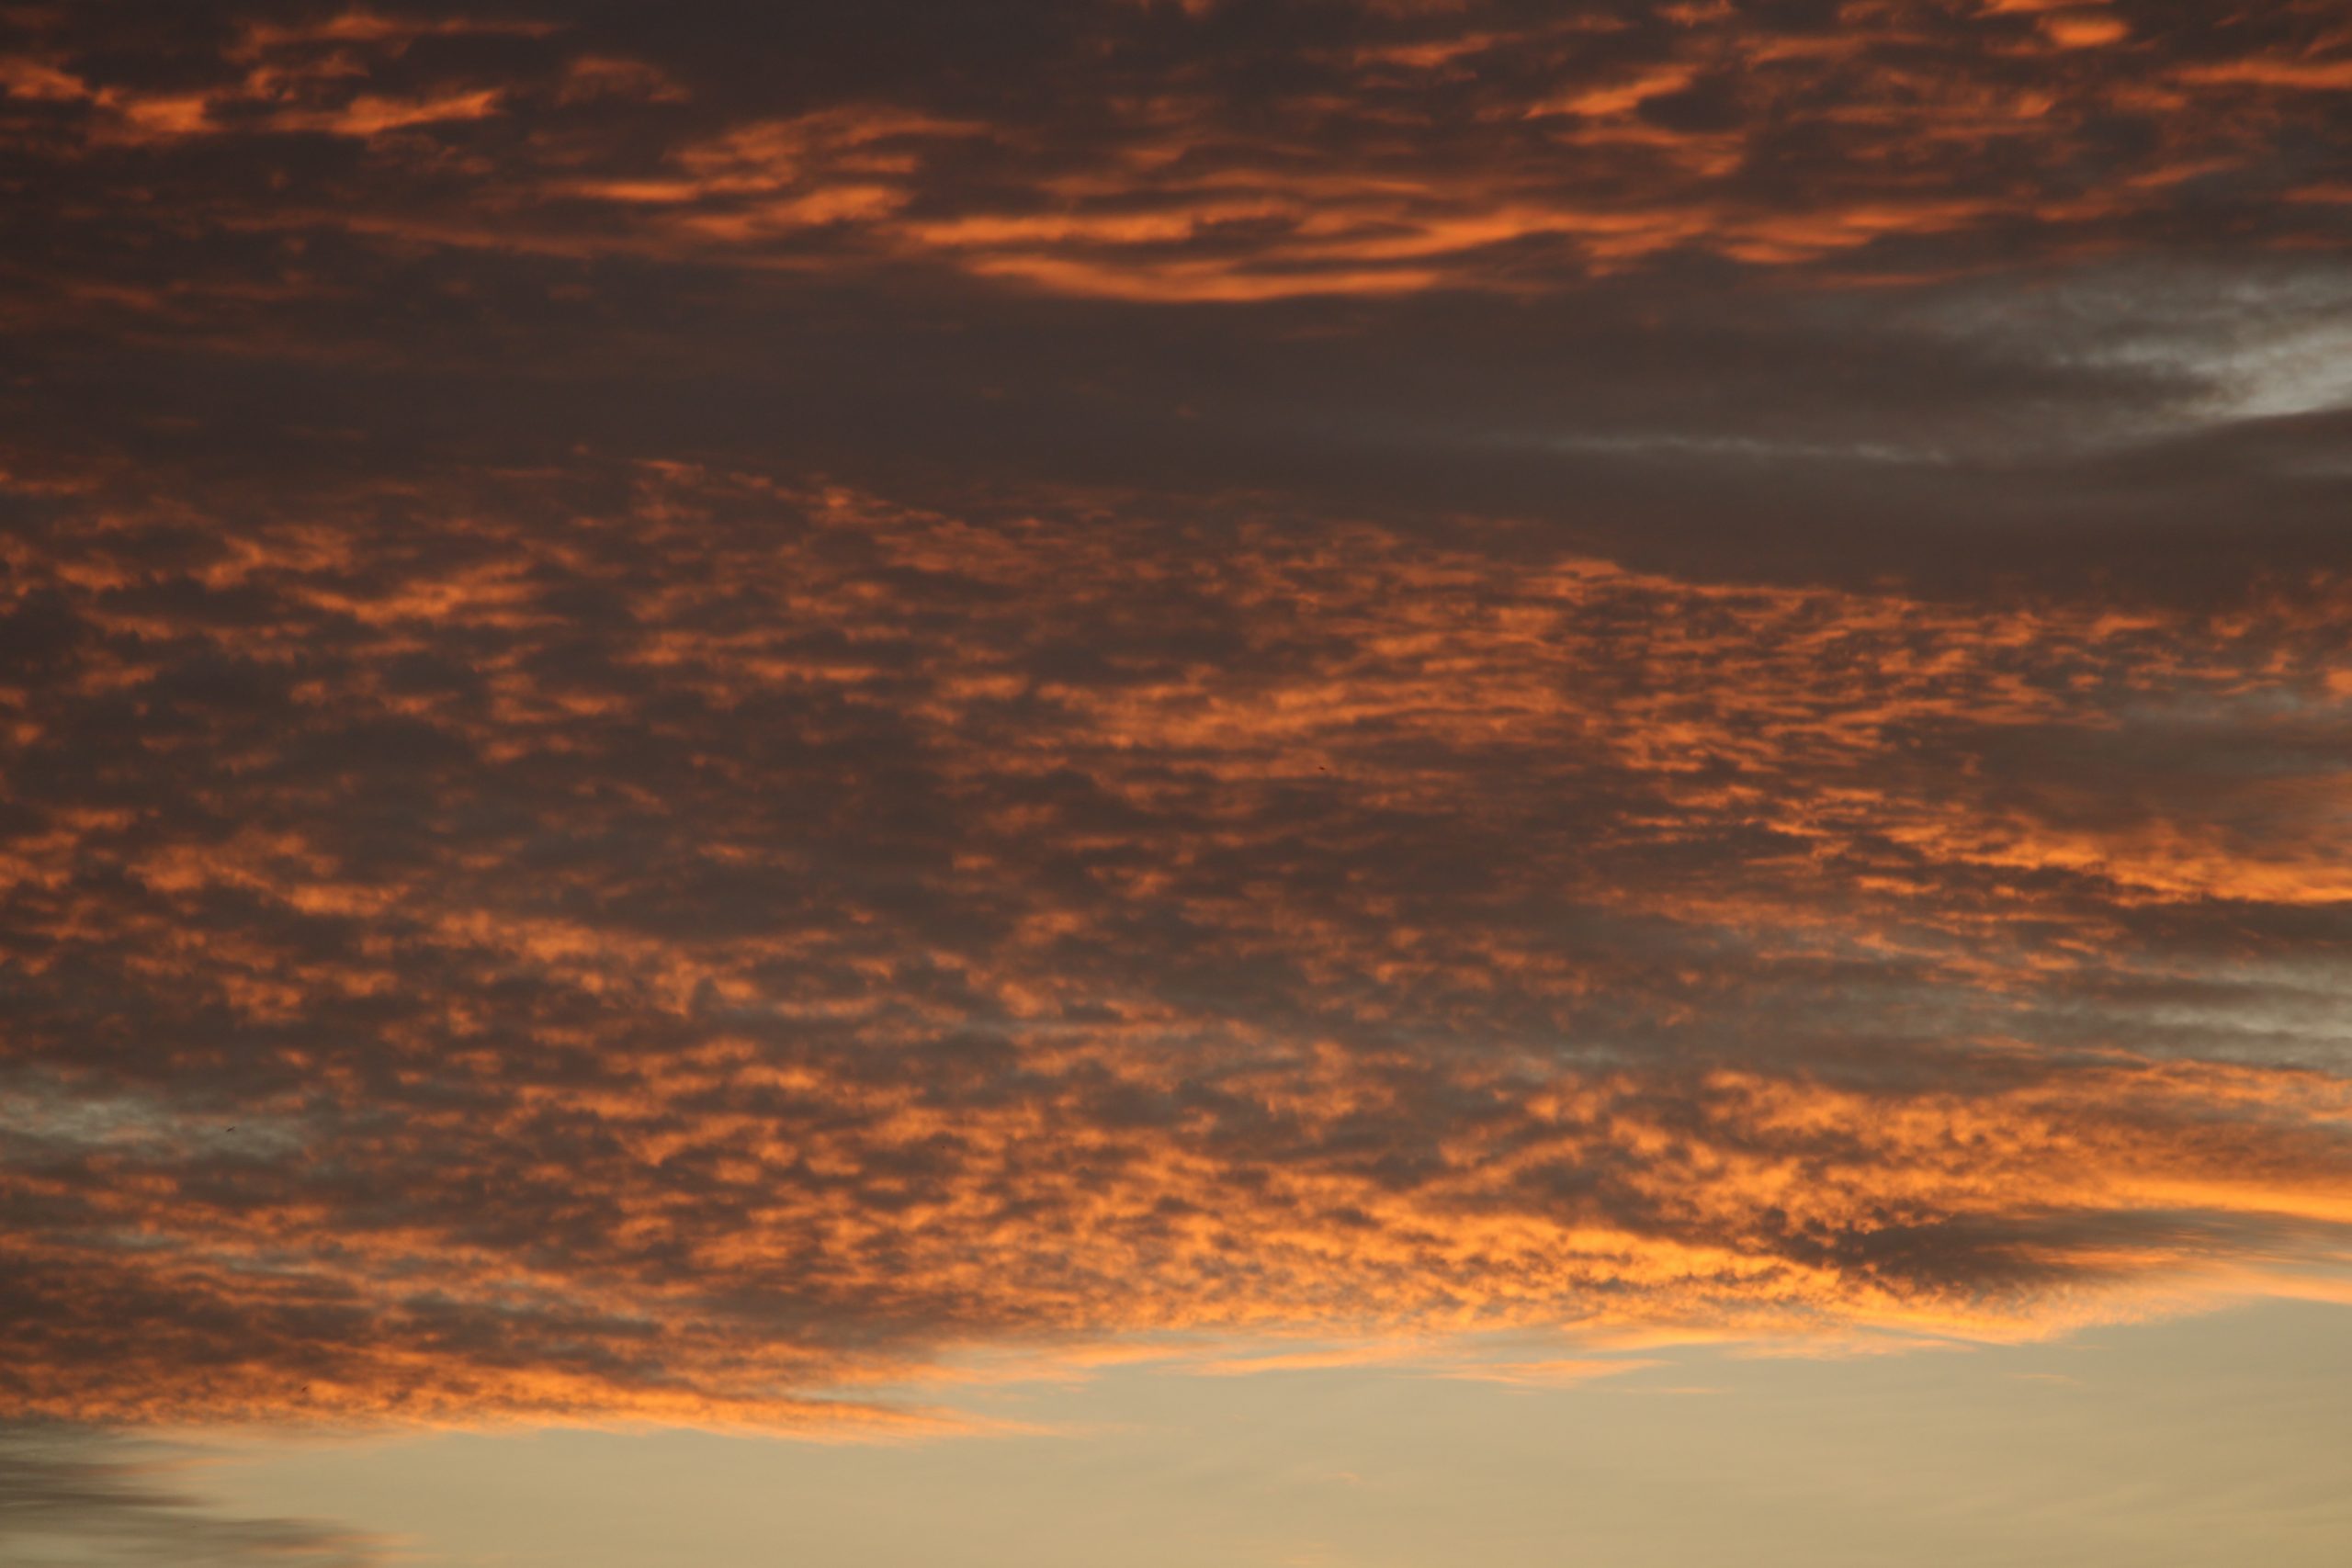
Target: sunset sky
1047	784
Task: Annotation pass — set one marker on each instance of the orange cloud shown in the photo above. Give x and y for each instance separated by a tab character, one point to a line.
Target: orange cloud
1419	148
707	962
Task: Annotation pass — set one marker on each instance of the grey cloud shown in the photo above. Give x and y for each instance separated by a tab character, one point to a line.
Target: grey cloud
80	1499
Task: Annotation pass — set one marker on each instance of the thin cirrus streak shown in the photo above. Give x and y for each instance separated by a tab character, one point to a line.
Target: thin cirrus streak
711	948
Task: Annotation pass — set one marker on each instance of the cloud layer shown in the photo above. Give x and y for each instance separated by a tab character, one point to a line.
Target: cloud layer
703	712
480	956
1234	151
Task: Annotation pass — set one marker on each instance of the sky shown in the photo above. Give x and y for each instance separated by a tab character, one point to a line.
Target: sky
1370	783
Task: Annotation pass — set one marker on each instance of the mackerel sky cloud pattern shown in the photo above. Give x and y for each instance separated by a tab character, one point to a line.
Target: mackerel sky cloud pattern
707	713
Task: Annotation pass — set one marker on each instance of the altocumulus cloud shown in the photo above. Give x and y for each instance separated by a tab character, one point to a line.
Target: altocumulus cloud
496	956
701	711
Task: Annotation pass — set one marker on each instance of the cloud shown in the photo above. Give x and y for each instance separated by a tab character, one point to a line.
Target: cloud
77	1497
1224	155
701	960
708	711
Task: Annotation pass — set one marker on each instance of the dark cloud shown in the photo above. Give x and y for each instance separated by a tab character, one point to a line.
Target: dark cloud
81	1498
485	953
700	705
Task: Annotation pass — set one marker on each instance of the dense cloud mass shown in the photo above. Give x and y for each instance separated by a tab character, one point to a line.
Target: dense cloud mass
1228	152
702	705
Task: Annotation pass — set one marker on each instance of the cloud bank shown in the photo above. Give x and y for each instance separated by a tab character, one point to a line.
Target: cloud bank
672	962
703	714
